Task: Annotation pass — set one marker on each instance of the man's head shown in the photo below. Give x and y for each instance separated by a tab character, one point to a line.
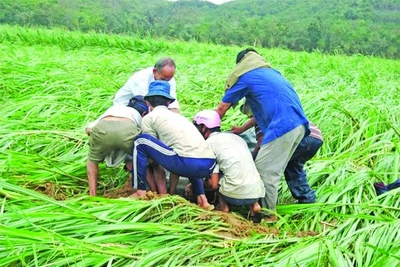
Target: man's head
207	121
138	103
159	94
164	69
242	53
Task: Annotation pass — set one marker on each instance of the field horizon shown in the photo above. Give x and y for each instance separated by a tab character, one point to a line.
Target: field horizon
55	82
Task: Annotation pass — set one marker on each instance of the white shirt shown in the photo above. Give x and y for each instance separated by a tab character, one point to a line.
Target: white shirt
138	84
240	178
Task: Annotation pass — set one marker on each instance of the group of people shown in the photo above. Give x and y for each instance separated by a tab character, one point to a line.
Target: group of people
145	129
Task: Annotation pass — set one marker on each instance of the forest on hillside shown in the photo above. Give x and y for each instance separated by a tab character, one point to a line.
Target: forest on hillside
368	27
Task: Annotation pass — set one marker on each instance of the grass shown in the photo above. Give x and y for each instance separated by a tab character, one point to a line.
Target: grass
55	82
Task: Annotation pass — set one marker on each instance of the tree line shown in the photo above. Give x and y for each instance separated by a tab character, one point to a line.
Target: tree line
368	27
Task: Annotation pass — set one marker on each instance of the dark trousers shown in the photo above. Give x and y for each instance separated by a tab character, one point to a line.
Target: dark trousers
295	174
147	147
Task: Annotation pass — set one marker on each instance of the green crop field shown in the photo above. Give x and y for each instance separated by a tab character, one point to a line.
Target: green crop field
54	82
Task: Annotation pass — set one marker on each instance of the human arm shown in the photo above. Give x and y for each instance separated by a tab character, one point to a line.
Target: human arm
222	109
92	170
240	129
212	183
257	147
231	97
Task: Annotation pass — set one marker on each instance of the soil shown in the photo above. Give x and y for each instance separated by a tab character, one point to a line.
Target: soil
240	227
52	190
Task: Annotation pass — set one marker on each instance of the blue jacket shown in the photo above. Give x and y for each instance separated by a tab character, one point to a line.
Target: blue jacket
273	101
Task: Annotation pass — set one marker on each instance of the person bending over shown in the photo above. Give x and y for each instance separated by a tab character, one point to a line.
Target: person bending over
172	141
237	175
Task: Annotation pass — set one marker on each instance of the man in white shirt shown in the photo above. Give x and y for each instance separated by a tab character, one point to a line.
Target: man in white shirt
138	83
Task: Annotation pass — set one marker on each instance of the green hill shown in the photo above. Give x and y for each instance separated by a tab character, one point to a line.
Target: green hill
367	27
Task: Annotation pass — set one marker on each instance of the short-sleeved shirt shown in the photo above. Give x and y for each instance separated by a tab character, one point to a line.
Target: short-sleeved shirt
121	112
138	84
273	101
177	132
240	178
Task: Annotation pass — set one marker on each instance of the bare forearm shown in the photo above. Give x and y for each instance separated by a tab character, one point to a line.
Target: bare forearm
238	130
250	123
222	109
92	170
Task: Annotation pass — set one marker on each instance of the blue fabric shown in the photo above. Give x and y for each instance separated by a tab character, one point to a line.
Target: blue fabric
273	101
381	188
295	174
147	147
240	202
160	88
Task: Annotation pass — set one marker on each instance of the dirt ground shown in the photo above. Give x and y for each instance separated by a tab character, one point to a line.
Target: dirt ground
240	226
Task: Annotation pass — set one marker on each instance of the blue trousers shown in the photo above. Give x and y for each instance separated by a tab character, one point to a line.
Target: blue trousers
147	147
295	174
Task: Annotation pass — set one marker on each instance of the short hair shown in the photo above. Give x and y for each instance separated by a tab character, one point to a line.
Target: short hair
242	53
157	100
165	61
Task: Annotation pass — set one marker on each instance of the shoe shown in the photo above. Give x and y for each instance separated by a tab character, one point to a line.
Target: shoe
256	218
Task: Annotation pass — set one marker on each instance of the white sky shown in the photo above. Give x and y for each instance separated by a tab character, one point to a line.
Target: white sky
218	2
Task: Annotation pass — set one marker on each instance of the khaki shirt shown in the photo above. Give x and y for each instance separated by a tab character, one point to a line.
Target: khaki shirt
177	132
240	176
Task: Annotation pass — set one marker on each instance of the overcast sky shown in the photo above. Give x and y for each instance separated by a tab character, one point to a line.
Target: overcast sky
218	2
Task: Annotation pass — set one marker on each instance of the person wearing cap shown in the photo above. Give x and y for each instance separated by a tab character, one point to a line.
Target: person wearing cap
237	176
111	138
295	174
138	83
278	111
173	142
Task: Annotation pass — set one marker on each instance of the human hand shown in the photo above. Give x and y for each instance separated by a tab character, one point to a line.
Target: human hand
236	130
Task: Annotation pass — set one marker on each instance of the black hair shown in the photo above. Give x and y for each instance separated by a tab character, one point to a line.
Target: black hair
138	103
212	130
242	53
215	129
157	100
165	61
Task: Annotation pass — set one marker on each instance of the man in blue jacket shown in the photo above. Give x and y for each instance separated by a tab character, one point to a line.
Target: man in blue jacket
276	108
